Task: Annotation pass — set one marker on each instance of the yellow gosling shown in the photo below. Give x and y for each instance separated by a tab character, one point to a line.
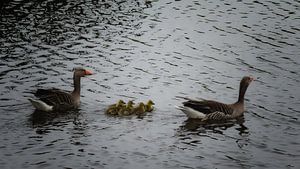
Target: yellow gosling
113	109
129	108
139	109
130	104
149	106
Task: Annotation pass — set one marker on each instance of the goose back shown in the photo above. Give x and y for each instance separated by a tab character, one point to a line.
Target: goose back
209	106
61	100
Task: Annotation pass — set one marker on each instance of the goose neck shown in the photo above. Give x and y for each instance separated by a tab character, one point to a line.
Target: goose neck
76	82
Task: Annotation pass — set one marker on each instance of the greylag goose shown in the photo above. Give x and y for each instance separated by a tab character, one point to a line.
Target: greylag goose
215	111
58	100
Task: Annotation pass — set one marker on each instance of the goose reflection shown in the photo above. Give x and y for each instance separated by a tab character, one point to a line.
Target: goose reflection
40	118
216	127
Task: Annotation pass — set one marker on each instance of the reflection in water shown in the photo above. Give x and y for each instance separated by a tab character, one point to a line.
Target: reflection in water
198	125
40	118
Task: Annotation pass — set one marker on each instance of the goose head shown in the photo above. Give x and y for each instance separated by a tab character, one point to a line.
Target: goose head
130	104
149	106
245	82
81	72
120	103
150	103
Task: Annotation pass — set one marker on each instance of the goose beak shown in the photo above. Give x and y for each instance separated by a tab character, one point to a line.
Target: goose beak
88	72
252	78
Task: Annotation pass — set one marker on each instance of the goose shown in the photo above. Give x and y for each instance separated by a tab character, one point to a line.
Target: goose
58	100
139	109
129	108
212	110
114	108
149	106
126	110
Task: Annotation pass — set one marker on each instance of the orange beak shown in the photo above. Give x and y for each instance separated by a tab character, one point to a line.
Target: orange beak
88	72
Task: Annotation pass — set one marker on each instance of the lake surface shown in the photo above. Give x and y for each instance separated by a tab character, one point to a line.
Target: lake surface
172	48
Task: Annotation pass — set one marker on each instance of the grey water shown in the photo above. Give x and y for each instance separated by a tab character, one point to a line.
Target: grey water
199	48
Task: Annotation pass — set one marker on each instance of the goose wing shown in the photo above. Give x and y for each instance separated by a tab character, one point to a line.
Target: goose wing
55	97
209	106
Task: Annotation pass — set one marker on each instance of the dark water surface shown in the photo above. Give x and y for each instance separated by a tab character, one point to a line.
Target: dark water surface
187	48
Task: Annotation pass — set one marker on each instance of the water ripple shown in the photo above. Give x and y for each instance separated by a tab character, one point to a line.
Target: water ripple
140	51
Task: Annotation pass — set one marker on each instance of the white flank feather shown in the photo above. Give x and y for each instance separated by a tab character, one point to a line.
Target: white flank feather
191	113
40	105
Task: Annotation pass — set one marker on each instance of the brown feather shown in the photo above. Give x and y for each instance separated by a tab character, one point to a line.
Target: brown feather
215	110
209	106
63	100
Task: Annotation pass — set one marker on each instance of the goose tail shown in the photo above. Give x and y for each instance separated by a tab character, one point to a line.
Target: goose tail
191	113
40	105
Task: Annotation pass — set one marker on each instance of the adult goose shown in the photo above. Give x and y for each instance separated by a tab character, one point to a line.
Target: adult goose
216	111
59	100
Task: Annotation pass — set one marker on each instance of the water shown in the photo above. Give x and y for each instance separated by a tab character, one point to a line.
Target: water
174	48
